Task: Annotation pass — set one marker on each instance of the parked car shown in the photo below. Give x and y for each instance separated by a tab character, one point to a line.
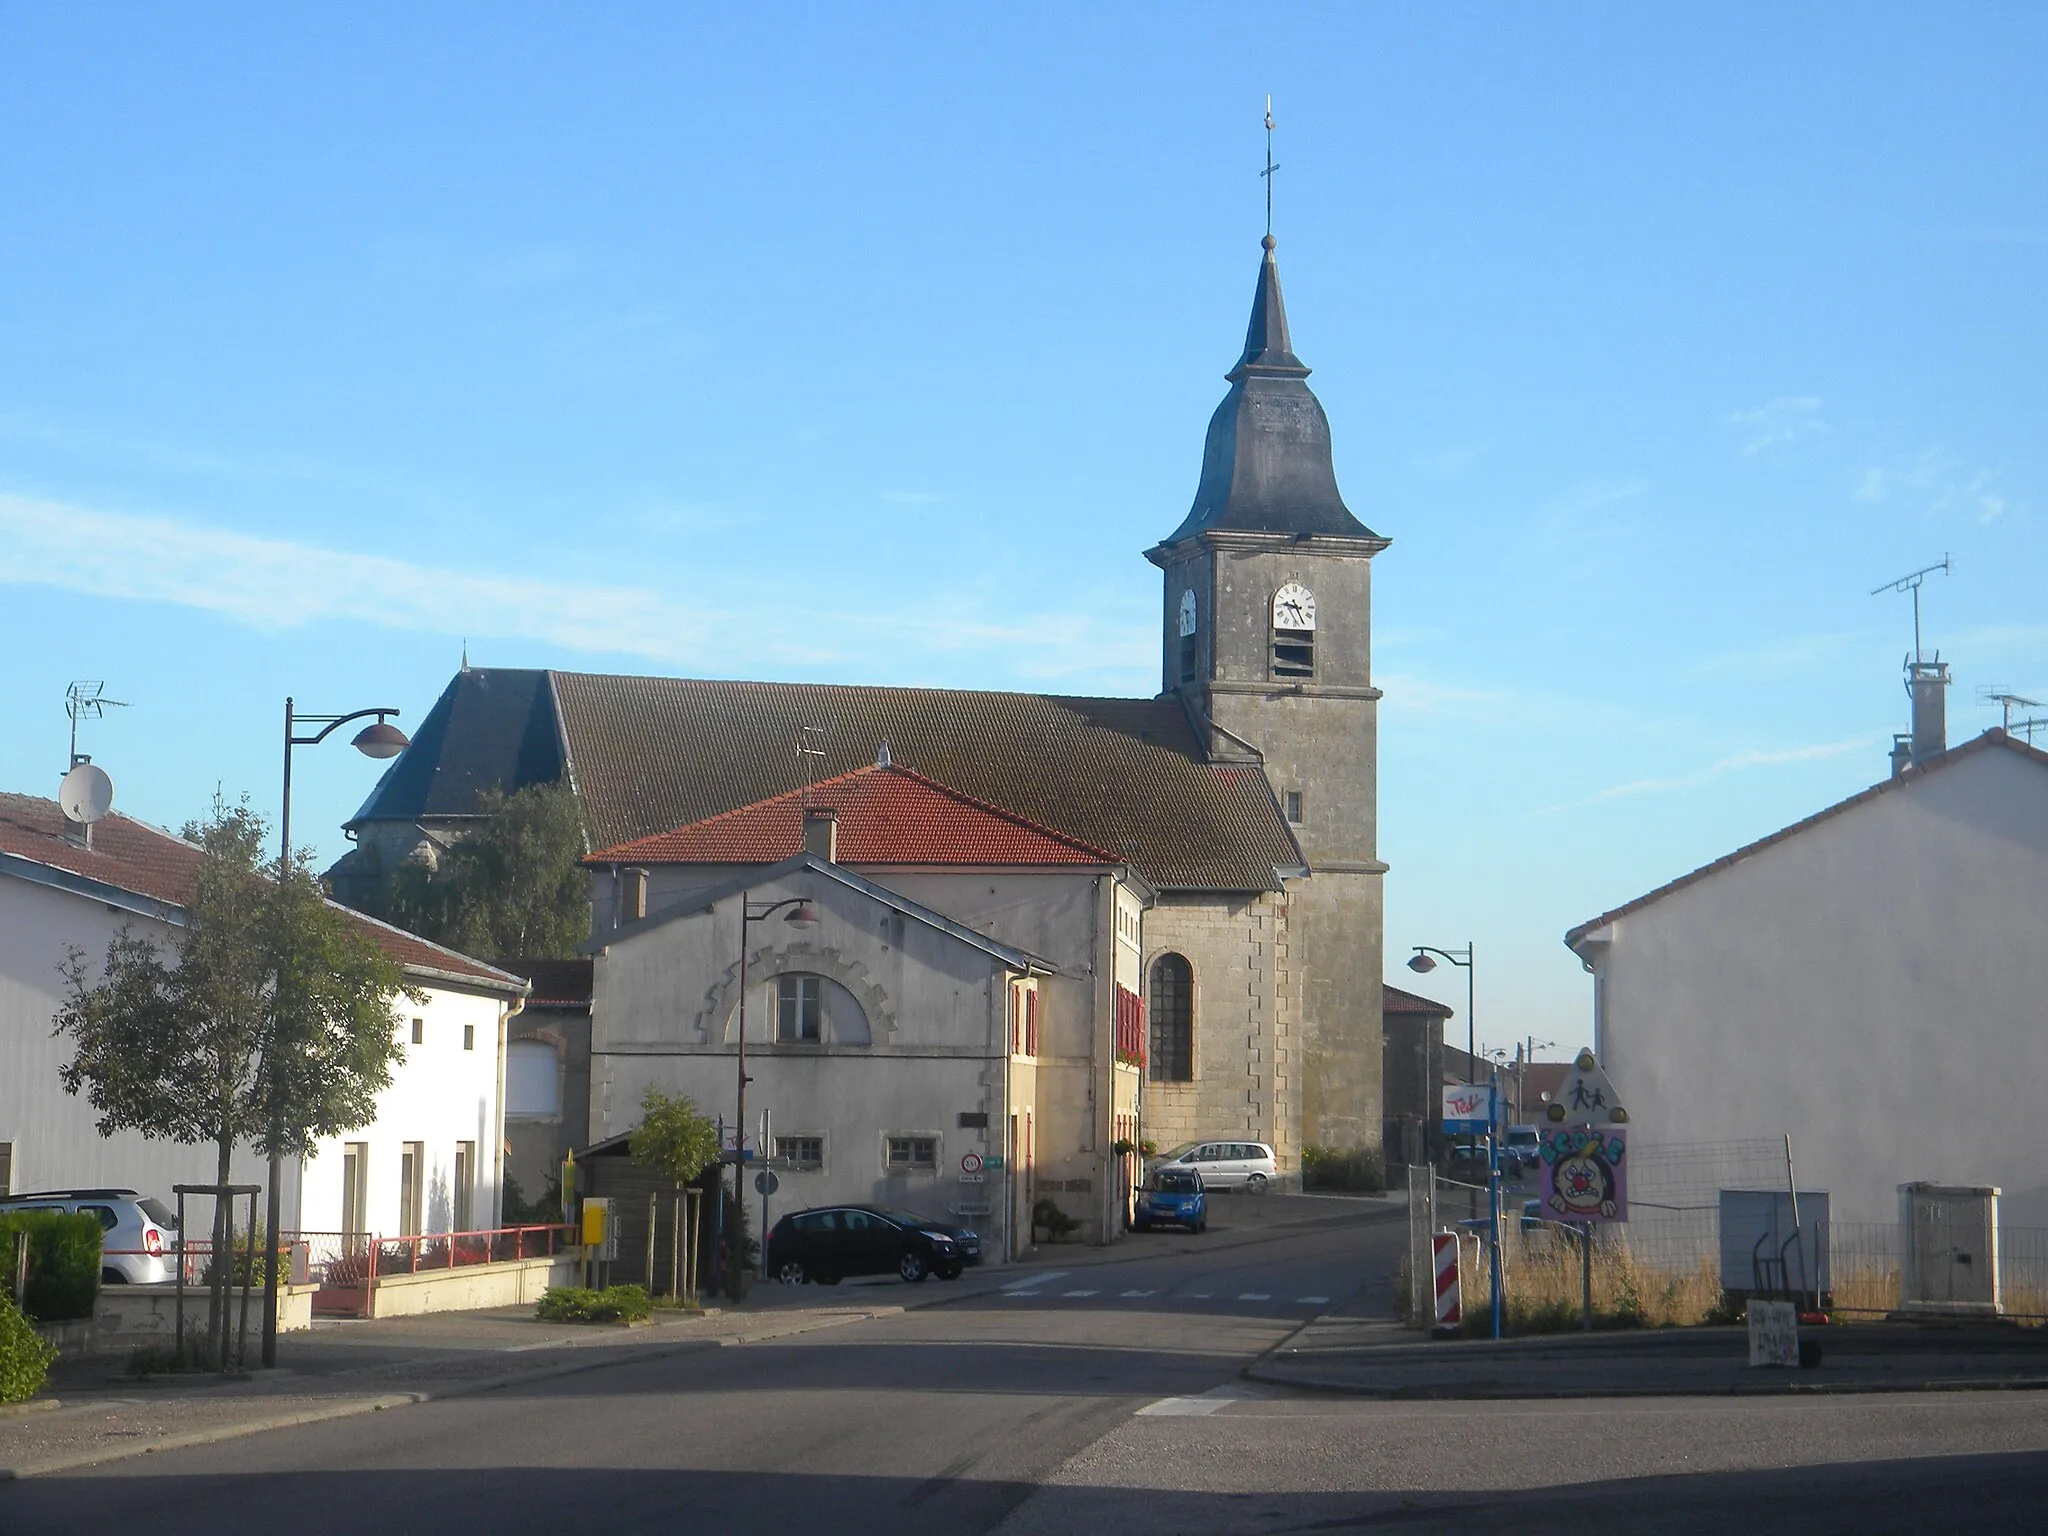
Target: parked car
138	1233
829	1243
1173	1196
1247	1165
1520	1150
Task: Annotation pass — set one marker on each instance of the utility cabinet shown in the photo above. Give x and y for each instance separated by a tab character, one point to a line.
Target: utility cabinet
1948	1242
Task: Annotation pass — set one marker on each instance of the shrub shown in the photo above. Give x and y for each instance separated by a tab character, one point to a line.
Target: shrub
1359	1170
24	1356
1047	1214
580	1304
63	1262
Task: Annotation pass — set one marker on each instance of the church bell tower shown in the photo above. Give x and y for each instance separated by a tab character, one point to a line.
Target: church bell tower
1267	641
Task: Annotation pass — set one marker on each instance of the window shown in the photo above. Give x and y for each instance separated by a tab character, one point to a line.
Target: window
1172	1020
469	1037
6	1167
1294	631
1031	1021
1190	645
419	1031
1294	806
465	1187
800	1151
412	1173
109	1218
799	1010
533	1083
355	1188
913	1154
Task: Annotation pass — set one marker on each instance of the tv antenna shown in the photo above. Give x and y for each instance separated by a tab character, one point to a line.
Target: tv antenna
1911	583
84	700
2006	699
804	749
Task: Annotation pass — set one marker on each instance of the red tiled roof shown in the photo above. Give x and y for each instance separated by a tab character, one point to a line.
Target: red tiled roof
1394	1000
887	815
147	861
1991	738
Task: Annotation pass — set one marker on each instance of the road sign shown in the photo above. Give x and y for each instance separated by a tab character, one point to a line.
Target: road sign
1585	1097
1465	1107
766	1182
1584	1173
973	1178
992	1162
970	1162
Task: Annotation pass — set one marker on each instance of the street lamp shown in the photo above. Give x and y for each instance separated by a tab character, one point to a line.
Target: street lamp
1421	963
801	915
380	740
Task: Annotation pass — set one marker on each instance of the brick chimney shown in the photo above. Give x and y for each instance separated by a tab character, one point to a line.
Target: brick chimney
821	832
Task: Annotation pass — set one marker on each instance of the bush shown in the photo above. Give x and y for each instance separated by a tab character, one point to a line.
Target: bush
1047	1214
63	1262
24	1357
1359	1170
580	1304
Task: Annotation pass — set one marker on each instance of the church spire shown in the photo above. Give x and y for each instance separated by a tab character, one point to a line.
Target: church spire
1266	465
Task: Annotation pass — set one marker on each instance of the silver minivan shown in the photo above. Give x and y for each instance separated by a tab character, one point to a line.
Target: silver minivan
1246	1165
138	1233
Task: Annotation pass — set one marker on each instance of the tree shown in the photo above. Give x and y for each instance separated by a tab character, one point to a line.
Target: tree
271	1008
511	888
678	1143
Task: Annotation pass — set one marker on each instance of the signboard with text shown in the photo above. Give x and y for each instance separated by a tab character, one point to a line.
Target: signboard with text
1583	1173
1465	1106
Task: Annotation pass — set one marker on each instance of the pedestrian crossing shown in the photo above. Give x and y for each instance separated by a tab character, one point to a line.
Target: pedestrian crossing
1044	1288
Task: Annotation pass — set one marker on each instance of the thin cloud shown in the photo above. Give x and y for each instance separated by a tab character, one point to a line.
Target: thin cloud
1786	419
1740	762
274	586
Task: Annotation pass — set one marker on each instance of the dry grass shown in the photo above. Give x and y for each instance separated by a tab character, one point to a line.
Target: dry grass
1869	1286
1545	1285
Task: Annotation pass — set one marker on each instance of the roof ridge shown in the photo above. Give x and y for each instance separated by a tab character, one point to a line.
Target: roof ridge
1014	817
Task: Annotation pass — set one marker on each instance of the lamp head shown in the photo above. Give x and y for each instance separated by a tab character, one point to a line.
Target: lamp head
802	915
1421	963
383	739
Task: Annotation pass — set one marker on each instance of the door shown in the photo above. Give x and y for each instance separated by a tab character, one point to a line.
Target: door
867	1243
465	1187
1209	1161
355	1189
411	1178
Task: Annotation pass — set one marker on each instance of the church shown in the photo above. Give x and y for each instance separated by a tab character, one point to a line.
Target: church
1243	794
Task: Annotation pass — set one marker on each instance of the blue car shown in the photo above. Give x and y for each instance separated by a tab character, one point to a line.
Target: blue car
1173	1198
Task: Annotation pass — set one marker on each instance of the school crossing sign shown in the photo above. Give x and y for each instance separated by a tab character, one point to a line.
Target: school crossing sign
1584	1148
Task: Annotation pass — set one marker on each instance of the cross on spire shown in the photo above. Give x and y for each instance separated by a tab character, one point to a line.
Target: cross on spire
1267	173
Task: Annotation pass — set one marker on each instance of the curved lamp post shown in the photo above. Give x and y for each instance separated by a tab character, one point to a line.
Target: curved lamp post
801	915
380	740
1422	963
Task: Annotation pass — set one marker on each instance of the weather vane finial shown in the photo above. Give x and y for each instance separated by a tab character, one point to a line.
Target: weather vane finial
1268	172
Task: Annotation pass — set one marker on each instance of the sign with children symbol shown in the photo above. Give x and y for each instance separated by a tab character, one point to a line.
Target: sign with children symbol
1584	1174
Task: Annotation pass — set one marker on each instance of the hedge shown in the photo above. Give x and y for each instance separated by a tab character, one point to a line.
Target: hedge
24	1357
580	1304
63	1262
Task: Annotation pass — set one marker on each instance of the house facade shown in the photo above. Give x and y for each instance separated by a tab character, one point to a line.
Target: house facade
888	1078
430	1161
1870	980
1243	794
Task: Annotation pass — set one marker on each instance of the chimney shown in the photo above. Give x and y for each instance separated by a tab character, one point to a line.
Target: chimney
1927	683
632	895
821	832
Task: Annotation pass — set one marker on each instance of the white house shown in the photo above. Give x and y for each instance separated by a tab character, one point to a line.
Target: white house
432	1159
1872	980
971	991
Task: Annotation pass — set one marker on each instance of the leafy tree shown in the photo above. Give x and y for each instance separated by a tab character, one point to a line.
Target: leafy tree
511	888
271	1009
673	1138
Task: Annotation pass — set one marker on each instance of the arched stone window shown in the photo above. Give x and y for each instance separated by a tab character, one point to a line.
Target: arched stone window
1172	1003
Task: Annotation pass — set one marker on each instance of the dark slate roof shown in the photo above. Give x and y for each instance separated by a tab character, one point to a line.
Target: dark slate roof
1990	740
1266	465
1127	776
556	983
492	728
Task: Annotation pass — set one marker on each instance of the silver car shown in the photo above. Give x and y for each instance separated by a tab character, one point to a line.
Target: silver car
1246	1165
138	1233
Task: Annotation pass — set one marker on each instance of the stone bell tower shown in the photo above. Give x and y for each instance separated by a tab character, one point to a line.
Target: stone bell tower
1267	640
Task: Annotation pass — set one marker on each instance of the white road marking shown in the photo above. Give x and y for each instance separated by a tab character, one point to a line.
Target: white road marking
1214	1400
1036	1280
1080	1293
1141	1293
1254	1295
1312	1301
1023	1295
1199	1295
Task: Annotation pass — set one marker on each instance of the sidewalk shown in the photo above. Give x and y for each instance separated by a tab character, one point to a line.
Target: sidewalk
1374	1358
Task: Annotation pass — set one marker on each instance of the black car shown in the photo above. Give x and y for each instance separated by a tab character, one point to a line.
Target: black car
833	1241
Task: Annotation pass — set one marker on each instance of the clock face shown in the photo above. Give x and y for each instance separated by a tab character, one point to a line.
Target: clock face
1187	612
1294	607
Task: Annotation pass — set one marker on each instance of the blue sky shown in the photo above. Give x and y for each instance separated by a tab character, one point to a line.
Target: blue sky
875	346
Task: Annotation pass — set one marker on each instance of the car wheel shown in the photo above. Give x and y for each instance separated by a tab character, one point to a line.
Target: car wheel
911	1267
1256	1184
950	1272
791	1272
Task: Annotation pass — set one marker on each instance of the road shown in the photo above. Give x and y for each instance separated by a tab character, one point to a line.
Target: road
1100	1398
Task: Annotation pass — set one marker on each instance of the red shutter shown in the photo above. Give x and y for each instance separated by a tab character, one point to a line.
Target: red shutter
1031	1022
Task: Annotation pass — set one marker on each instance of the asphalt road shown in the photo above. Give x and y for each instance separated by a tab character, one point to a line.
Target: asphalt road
1103	1398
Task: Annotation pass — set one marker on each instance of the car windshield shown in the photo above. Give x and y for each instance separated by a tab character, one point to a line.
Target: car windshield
907	1218
1179	1181
1521	1136
1172	1152
158	1212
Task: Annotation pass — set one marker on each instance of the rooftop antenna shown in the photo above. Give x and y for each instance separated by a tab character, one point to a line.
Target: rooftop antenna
2006	699
1267	173
2027	728
84	700
1911	584
804	749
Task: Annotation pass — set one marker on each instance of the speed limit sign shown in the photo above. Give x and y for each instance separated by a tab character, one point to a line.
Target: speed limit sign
970	1162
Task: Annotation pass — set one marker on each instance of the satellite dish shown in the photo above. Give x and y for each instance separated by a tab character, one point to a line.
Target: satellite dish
86	794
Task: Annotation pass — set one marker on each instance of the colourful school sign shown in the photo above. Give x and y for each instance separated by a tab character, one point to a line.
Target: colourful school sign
1584	1174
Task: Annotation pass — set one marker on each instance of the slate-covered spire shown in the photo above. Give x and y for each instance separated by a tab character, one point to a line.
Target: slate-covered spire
1266	465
